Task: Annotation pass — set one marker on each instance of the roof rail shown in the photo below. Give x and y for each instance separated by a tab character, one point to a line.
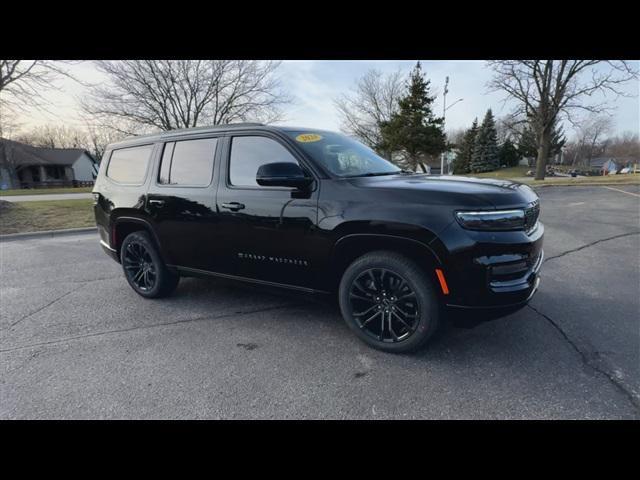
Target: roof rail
181	131
210	127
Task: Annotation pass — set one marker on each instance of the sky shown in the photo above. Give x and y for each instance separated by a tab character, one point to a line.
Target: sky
315	84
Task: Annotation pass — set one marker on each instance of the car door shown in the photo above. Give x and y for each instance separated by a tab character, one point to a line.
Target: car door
270	232
181	202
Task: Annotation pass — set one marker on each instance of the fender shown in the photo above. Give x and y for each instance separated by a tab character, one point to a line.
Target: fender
142	221
396	238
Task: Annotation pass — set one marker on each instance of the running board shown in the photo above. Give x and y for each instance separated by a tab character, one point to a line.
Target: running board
246	279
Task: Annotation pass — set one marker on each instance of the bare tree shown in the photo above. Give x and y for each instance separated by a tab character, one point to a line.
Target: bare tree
546	89
54	136
93	139
373	101
510	127
22	82
626	146
591	134
98	138
9	124
171	94
456	136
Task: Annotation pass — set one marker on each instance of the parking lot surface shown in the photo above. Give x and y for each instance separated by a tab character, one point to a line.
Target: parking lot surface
77	342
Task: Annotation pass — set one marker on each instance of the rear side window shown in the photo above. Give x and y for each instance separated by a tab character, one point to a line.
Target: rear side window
249	153
129	165
188	162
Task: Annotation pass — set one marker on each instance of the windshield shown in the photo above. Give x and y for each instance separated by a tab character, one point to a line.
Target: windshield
342	155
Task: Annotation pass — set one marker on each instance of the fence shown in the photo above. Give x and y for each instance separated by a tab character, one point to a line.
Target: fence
57	184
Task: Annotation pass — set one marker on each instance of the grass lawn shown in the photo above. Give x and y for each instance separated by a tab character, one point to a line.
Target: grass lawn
519	175
49	215
44	191
510	172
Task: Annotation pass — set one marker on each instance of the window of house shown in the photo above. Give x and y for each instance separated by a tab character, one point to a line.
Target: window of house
54	172
129	165
188	162
249	153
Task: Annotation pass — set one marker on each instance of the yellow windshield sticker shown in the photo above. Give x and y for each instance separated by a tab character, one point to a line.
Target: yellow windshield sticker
308	137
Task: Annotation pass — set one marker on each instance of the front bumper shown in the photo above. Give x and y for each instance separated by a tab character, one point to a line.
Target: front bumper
488	270
528	286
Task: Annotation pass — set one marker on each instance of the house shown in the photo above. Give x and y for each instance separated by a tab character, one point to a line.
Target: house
24	166
608	165
557	159
434	162
604	164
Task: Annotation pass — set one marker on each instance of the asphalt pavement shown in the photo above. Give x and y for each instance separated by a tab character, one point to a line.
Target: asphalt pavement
77	342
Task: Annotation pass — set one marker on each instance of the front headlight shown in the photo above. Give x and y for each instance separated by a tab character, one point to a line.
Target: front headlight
492	220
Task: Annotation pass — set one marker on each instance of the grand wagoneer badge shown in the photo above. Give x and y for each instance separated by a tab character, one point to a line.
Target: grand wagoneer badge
268	258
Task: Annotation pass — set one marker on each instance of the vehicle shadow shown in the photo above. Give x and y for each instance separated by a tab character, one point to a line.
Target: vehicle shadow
326	308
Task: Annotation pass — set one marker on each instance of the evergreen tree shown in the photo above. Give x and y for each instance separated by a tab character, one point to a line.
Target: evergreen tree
461	164
508	154
414	130
485	149
528	143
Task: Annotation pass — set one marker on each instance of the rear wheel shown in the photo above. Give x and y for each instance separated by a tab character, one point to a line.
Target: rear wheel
389	302
143	267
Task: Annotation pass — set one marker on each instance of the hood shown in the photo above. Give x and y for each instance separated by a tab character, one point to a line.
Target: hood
453	189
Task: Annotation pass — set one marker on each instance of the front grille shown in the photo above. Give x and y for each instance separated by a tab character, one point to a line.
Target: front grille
531	214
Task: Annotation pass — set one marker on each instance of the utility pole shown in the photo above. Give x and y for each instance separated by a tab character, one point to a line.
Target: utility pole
444	112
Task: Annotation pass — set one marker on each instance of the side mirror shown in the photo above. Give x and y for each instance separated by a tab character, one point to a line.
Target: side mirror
282	174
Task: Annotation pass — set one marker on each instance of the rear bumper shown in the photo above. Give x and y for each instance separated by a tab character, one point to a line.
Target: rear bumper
109	251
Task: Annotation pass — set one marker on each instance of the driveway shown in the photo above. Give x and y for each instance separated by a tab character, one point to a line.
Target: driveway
77	342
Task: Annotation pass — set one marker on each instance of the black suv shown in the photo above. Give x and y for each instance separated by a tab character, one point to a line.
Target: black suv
317	211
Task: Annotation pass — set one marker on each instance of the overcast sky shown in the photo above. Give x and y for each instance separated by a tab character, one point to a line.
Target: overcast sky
314	85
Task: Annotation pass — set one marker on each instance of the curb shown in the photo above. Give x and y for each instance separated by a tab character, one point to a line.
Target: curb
582	184
48	234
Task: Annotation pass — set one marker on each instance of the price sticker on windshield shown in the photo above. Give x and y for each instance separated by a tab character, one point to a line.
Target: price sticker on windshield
309	137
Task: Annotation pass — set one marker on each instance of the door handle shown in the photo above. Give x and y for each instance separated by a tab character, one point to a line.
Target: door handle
234	206
157	202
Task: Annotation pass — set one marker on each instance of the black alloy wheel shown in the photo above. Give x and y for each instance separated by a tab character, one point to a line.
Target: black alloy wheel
143	267
389	301
384	305
139	266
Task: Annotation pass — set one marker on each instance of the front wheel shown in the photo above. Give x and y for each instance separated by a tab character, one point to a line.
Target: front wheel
143	267
389	302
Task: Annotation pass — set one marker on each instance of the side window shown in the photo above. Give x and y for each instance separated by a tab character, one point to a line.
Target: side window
129	165
249	153
188	162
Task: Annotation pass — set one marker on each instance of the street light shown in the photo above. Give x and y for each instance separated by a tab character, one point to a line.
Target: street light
444	111
459	100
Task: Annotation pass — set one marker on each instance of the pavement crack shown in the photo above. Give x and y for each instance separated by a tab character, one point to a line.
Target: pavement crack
591	245
145	327
587	361
43	307
83	282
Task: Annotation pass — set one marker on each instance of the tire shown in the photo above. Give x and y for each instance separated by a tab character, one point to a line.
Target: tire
143	267
388	285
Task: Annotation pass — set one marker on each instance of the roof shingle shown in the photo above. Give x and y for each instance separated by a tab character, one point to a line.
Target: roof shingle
16	153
